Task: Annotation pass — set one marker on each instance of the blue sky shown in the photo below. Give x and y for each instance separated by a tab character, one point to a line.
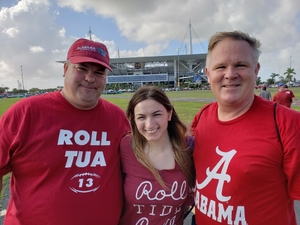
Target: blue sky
103	28
106	29
37	33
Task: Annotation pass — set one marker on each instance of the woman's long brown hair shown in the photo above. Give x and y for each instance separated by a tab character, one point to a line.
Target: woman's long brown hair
177	131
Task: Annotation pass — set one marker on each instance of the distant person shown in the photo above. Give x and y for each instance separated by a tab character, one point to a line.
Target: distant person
265	93
283	98
247	150
156	160
62	148
290	92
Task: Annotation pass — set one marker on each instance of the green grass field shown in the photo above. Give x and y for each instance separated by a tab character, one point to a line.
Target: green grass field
186	103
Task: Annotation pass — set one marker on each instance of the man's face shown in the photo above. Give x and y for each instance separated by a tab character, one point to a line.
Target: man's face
84	83
232	72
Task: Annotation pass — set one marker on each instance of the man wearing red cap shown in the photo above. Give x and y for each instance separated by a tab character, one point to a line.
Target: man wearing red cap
62	148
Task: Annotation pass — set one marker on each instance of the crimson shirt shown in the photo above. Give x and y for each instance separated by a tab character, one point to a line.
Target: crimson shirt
243	176
64	161
283	98
146	202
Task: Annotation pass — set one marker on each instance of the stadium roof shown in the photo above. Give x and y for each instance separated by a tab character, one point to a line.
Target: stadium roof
195	57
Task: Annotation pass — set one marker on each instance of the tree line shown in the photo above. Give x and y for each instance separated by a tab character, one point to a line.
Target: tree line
21	91
288	76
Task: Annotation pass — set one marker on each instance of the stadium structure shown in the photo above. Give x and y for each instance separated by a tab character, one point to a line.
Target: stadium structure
172	70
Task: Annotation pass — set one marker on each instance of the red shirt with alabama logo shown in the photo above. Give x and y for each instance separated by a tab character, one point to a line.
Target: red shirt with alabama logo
244	176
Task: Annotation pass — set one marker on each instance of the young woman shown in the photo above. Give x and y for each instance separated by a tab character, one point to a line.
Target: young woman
156	160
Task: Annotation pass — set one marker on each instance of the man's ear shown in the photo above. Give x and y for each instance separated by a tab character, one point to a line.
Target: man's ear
66	66
207	75
257	69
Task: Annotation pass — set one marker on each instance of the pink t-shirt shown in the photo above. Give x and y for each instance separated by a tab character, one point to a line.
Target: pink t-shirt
243	176
146	202
64	161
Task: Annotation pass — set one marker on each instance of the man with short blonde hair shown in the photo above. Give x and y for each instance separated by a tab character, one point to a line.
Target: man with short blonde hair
247	150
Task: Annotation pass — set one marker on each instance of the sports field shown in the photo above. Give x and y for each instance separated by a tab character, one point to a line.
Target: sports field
186	103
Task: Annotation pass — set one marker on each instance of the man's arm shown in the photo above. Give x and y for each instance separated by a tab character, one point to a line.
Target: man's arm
294	99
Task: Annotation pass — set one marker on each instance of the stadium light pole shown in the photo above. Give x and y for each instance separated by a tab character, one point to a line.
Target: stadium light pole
22	77
290	68
178	49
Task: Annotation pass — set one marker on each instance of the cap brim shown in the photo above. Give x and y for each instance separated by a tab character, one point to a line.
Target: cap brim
81	59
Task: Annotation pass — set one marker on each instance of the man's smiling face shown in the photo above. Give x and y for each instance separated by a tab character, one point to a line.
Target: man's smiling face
232	72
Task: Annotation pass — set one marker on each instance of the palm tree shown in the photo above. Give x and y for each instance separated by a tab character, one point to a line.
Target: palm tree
273	75
258	81
289	73
281	79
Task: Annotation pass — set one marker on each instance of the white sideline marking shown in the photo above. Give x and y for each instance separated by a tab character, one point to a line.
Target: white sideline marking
3	212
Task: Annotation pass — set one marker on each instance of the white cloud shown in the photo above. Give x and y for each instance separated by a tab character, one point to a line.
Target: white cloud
62	32
55	51
36	33
35	49
56	12
12	32
4	68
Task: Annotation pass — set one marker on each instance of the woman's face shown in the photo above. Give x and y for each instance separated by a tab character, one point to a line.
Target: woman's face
151	119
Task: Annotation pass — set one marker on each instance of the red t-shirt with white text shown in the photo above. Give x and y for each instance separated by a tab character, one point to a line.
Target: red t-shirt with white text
64	161
146	202
243	176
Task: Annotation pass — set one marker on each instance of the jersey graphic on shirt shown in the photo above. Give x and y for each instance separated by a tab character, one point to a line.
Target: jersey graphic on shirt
222	177
145	190
83	182
87	180
211	208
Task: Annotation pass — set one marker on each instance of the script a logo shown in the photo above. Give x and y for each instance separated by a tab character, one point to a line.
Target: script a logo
222	176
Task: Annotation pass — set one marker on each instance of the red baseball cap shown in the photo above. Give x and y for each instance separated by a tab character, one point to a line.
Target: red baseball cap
84	50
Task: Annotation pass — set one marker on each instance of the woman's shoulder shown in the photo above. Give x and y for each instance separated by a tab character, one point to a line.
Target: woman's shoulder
125	145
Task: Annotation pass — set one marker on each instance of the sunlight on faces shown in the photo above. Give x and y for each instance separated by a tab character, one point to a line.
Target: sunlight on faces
84	83
232	72
152	119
